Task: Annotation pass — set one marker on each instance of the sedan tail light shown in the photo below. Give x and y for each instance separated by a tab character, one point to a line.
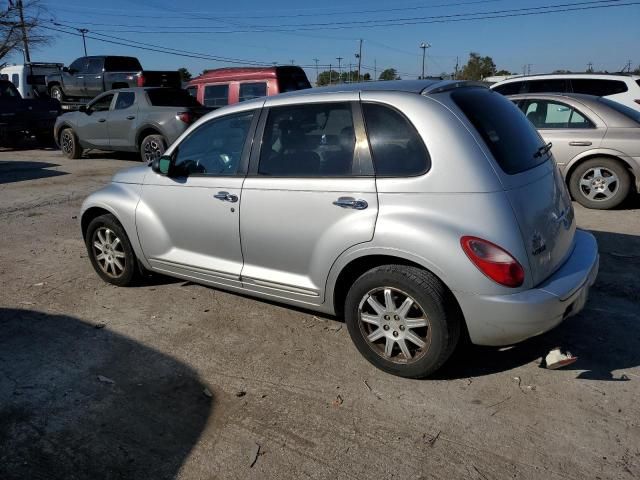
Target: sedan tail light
141	80
495	262
185	117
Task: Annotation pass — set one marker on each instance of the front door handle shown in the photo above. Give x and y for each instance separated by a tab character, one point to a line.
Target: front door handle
350	202
102	120
226	197
580	144
131	117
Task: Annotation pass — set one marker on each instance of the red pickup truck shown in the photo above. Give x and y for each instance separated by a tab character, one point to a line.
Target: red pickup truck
224	86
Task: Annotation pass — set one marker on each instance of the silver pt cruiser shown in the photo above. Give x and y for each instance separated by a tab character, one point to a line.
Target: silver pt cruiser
417	210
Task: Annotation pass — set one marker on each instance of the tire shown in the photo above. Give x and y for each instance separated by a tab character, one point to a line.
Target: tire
57	93
152	147
69	144
600	183
119	265
435	316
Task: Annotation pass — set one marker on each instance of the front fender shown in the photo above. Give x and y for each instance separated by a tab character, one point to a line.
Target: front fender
121	200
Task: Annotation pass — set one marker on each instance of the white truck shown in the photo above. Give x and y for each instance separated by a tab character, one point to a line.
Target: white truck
30	78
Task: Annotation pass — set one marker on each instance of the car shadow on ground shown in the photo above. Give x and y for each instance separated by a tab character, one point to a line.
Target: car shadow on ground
78	401
605	336
104	155
19	171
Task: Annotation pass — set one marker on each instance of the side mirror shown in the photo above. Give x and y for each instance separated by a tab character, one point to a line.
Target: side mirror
65	69
161	165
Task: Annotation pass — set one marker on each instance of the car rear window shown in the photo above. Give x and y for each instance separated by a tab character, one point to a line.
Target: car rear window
511	88
511	138
122	64
623	109
171	97
597	87
557	85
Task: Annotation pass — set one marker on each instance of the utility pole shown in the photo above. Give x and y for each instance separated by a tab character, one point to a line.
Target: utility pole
359	57
350	72
317	74
424	47
628	66
292	61
456	72
589	67
375	69
339	68
529	68
330	72
84	31
25	39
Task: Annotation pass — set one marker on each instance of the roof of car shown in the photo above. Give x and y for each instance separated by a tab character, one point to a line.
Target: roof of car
562	76
409	86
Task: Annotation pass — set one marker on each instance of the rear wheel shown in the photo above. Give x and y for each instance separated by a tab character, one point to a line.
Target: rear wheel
69	144
110	251
600	183
152	147
403	320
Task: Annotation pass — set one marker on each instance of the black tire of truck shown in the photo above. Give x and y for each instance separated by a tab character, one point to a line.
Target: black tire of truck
57	93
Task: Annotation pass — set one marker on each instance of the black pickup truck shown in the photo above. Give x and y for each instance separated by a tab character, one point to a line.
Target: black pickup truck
21	117
88	77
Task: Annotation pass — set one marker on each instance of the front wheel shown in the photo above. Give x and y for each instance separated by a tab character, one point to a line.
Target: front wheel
600	183
110	251
403	320
57	93
152	147
69	144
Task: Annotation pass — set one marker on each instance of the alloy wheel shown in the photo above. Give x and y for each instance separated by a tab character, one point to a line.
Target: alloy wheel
109	252
152	150
599	184
394	325
66	142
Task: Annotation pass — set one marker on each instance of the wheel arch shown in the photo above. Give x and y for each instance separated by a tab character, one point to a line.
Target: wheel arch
146	130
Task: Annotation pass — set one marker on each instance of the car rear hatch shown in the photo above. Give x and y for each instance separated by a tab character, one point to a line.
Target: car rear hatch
530	177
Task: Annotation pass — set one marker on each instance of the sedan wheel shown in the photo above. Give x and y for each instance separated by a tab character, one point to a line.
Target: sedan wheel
394	324
108	252
600	183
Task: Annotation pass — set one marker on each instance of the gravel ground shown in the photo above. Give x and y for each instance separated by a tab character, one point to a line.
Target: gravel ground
176	380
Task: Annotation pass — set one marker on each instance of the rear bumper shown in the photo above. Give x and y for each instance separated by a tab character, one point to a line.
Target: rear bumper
507	319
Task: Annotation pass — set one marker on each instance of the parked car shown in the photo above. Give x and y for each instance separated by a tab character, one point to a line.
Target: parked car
624	89
144	120
21	117
30	78
596	143
416	209
226	86
87	77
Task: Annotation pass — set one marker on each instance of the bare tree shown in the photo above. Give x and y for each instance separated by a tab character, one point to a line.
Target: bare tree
15	26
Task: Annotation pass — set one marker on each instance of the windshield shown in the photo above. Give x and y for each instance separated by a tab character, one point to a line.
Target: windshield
171	97
512	139
623	109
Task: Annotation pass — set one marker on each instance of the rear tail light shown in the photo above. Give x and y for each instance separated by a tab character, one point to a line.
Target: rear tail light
185	117
495	262
141	80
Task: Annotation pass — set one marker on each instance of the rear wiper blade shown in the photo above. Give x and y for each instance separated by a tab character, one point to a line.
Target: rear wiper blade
543	150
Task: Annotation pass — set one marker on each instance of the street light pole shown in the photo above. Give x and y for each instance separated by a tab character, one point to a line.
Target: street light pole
84	31
339	68
424	47
317	74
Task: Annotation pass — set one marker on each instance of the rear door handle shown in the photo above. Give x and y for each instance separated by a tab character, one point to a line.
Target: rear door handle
580	144
131	117
350	202
102	120
226	197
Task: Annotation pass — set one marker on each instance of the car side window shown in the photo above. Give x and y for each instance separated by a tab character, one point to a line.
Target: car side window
598	87
94	66
511	88
101	104
253	90
125	100
396	146
78	65
215	148
311	140
216	95
550	85
546	114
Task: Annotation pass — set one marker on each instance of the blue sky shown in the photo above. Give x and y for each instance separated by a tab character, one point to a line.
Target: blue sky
607	37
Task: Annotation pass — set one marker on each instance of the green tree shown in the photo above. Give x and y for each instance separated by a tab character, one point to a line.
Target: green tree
389	74
327	77
477	67
185	75
503	72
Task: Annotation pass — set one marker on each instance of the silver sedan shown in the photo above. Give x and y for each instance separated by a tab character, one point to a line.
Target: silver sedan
596	143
